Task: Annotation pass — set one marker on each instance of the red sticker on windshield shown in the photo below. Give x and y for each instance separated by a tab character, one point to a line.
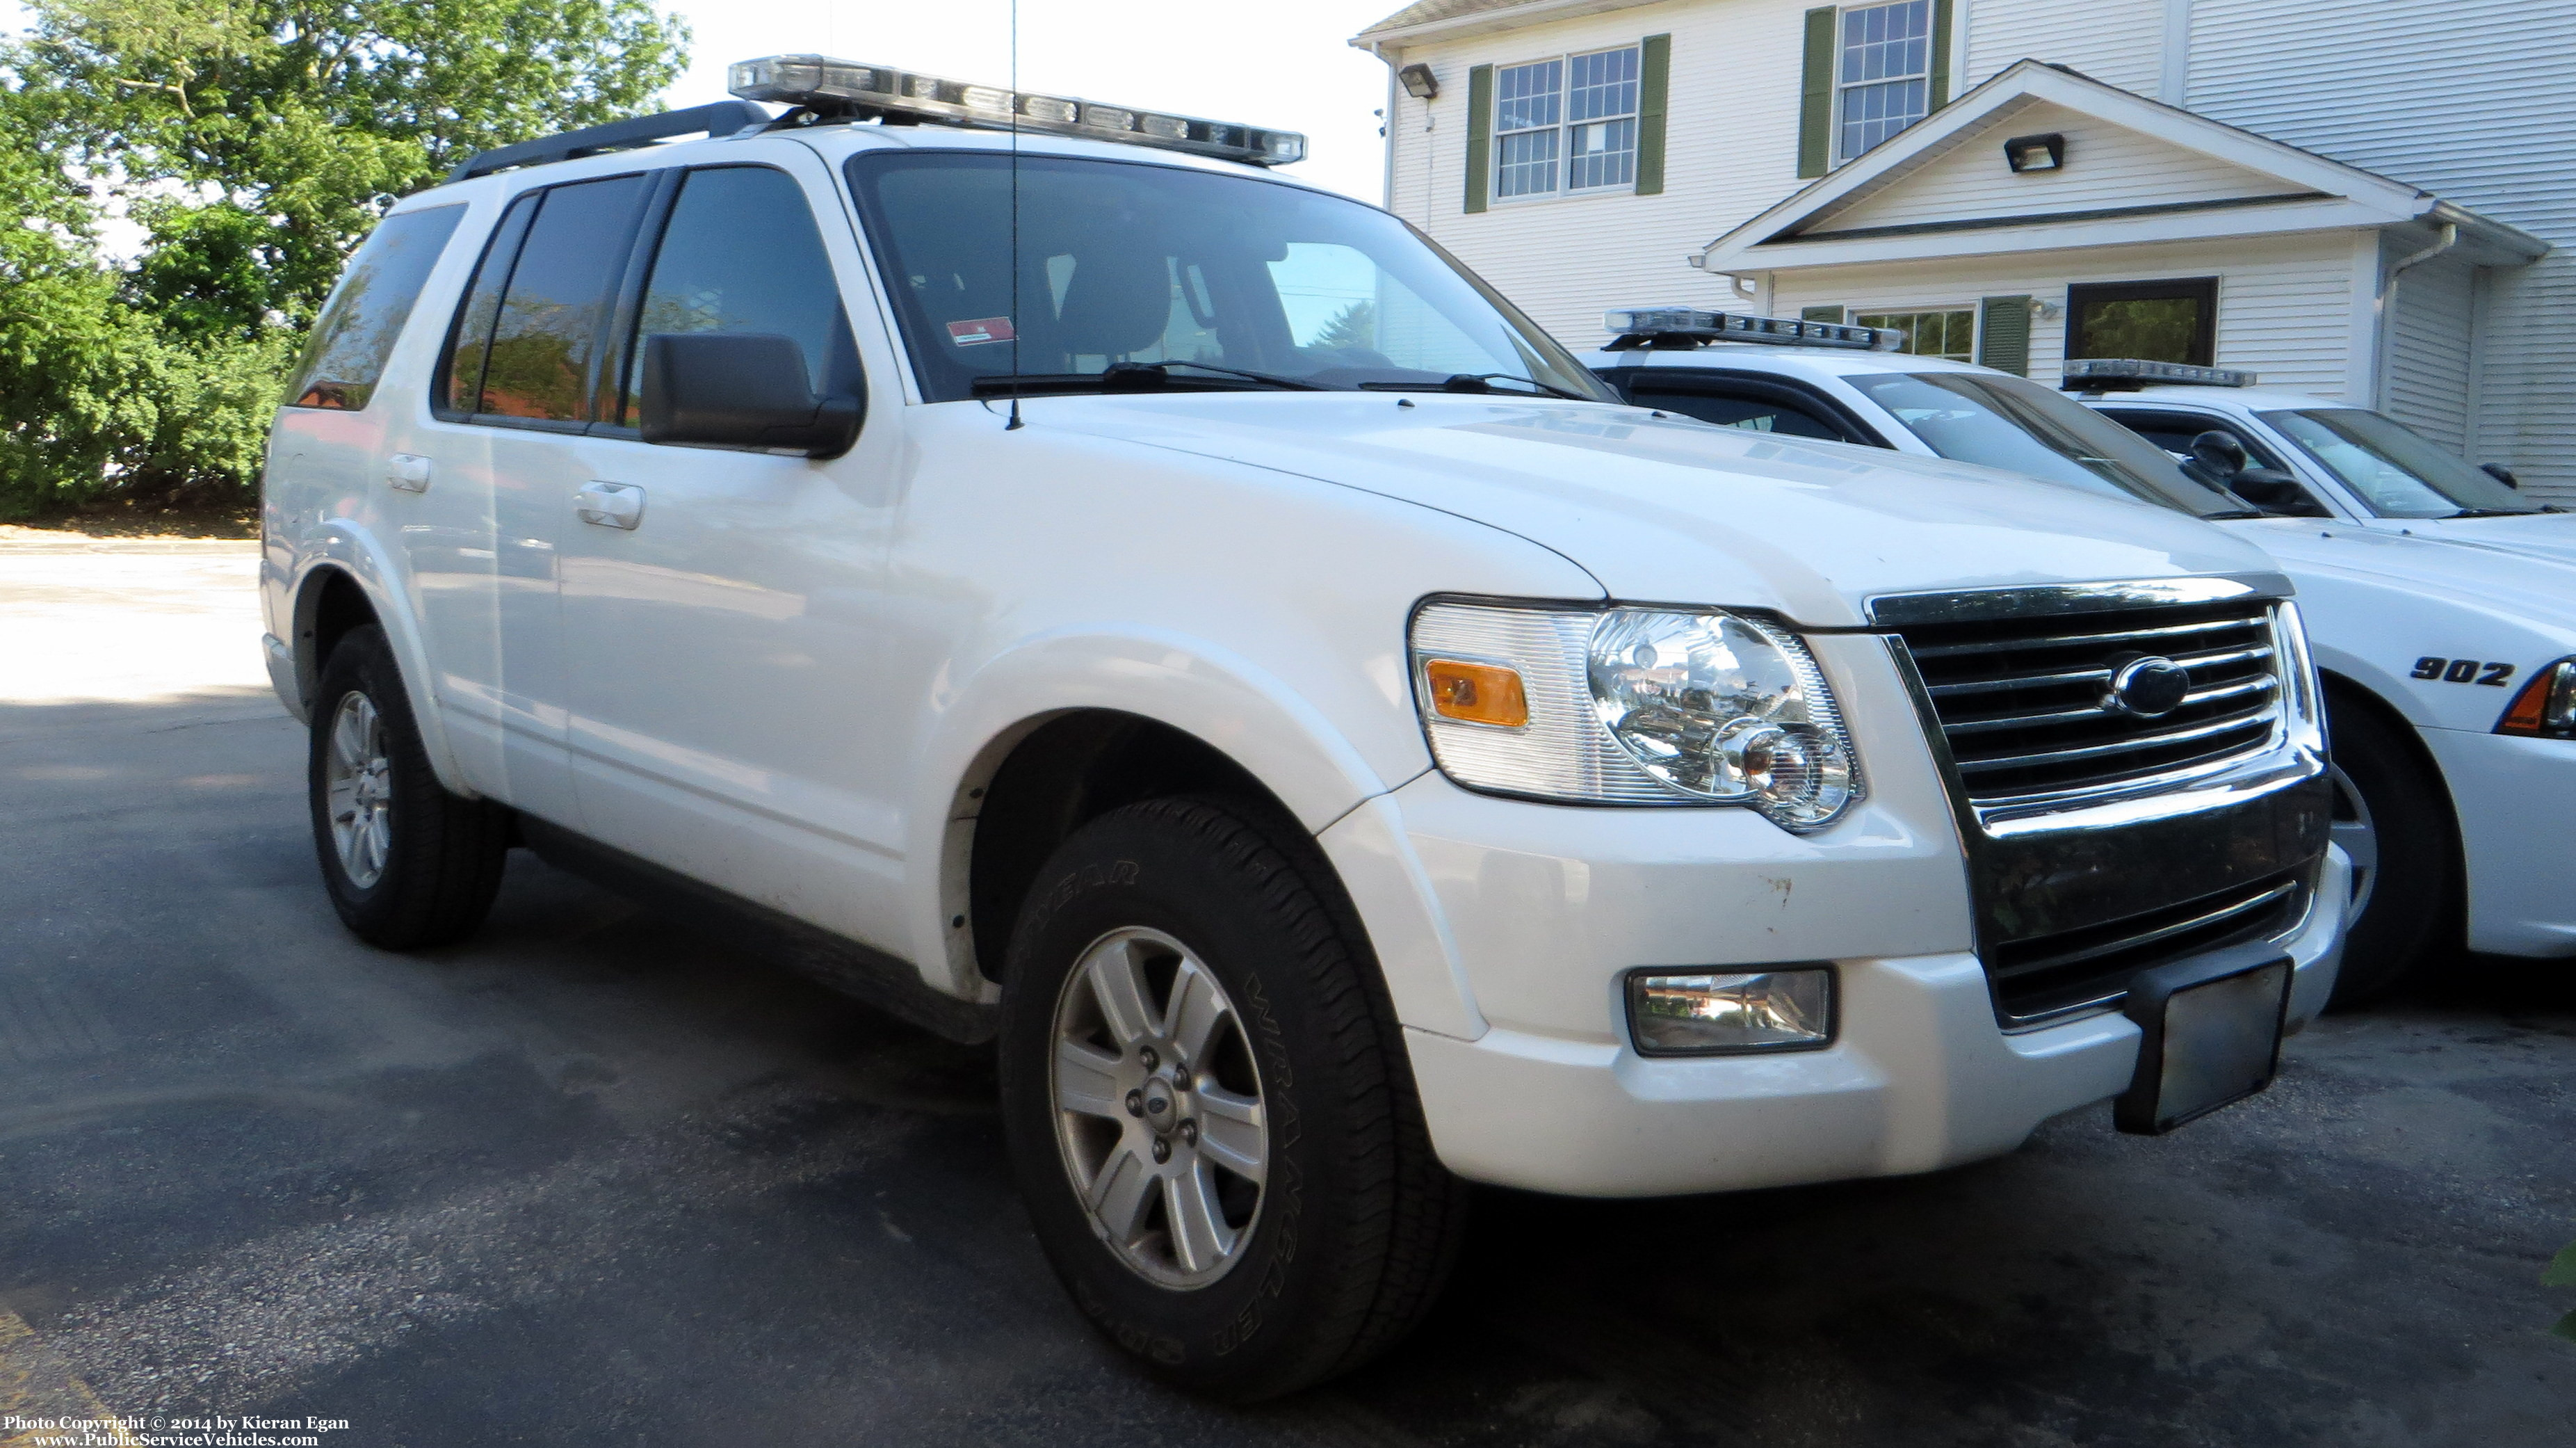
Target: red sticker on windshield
985	329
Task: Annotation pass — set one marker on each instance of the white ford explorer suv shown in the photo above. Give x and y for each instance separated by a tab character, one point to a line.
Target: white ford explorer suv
2447	643
1082	591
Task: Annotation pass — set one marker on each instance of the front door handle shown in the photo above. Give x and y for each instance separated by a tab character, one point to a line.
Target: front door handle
610	505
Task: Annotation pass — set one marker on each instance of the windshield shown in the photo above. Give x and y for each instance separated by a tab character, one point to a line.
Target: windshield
2022	427
2398	473
1224	281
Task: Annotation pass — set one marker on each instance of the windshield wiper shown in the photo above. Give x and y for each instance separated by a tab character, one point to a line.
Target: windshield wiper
2493	513
1479	382
1124	377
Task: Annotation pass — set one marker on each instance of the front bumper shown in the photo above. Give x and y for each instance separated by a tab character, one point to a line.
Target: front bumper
1543	910
2517	804
1920	1078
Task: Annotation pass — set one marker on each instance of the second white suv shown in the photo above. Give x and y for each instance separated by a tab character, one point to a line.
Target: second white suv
1087	593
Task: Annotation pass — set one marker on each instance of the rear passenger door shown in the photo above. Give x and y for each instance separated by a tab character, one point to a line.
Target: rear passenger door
513	398
725	628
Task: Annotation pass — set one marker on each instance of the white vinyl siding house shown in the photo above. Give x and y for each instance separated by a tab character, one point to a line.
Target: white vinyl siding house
2117	42
2287	299
1564	257
2409	117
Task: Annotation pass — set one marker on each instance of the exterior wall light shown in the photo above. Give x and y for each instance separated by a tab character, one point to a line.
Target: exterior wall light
1418	81
2036	153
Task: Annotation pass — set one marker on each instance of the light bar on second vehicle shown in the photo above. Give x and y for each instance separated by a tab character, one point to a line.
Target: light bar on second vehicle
2089	374
1646	324
848	88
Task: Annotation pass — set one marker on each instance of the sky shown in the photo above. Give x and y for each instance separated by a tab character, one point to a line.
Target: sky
1281	65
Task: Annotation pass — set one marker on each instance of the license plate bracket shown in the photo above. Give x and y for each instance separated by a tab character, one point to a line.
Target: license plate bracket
2210	1036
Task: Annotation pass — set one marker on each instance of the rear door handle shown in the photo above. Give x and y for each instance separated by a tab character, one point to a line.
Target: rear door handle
408	472
610	505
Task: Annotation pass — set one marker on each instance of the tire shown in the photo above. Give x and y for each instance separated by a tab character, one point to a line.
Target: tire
407	864
1235	933
2394	817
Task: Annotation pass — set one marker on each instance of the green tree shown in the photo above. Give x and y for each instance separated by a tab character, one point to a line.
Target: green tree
1352	326
255	142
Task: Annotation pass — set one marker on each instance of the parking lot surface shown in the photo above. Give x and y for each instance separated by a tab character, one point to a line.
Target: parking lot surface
590	1180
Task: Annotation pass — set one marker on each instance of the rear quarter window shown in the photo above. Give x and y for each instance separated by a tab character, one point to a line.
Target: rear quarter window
366	312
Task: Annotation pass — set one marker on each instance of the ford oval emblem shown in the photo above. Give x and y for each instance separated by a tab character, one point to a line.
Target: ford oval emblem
2146	688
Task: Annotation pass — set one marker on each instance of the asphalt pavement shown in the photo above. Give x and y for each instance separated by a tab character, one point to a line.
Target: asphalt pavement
590	1180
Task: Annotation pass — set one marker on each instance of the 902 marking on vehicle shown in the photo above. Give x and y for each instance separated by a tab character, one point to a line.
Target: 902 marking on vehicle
2461	671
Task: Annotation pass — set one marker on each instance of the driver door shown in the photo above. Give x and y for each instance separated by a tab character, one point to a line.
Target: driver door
723	607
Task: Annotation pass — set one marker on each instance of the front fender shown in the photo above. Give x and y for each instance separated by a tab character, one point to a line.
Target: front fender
2374	635
342	546
1212	694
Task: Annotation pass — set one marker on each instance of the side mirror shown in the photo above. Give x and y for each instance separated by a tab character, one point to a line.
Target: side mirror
2220	455
2501	474
740	389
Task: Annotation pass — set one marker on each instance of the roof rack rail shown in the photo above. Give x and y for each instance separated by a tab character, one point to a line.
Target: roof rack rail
719	118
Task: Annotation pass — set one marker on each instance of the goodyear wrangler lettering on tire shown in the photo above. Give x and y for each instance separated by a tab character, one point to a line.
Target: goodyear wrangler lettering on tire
1188	1007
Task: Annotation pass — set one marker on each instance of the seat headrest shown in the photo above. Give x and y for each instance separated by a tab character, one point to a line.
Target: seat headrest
1116	302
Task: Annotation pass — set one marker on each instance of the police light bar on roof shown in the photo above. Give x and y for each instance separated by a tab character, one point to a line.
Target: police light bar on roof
2120	374
1643	326
843	88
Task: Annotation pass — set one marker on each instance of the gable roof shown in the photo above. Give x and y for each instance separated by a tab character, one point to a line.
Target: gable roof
1923	193
1448	19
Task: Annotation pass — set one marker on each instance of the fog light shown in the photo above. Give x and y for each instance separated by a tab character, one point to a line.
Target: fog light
1671	1013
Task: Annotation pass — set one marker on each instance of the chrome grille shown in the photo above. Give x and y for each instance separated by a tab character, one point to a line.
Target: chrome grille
2020	699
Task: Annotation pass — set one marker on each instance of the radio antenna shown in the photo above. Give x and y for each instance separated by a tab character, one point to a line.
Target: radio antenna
1015	422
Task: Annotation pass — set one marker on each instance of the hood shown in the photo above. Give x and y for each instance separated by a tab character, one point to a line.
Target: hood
1674	511
2533	535
2528	584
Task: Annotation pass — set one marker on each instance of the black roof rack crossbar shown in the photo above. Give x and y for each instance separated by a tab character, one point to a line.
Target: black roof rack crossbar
720	118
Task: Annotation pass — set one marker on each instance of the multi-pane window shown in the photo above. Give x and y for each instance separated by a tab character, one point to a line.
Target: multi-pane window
1601	111
1884	73
1568	124
1950	335
1527	104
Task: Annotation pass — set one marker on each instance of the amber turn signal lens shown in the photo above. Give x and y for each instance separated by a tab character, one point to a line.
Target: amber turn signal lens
1476	693
2546	707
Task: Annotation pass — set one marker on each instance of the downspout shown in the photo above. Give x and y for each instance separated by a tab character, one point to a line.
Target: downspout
1387	188
2387	320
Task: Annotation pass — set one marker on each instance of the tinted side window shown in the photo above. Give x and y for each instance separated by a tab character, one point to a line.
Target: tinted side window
2173	432
1728	409
741	254
367	310
460	372
551	313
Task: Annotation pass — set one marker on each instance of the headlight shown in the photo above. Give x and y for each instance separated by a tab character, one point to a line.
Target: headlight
2546	707
1634	707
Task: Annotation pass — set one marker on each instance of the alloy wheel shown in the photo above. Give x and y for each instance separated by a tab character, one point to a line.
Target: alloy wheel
358	787
2350	826
1158	1108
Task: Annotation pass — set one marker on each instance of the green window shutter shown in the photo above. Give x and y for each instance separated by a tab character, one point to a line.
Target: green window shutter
1654	85
1833	314
1480	134
2003	334
1940	53
1816	94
